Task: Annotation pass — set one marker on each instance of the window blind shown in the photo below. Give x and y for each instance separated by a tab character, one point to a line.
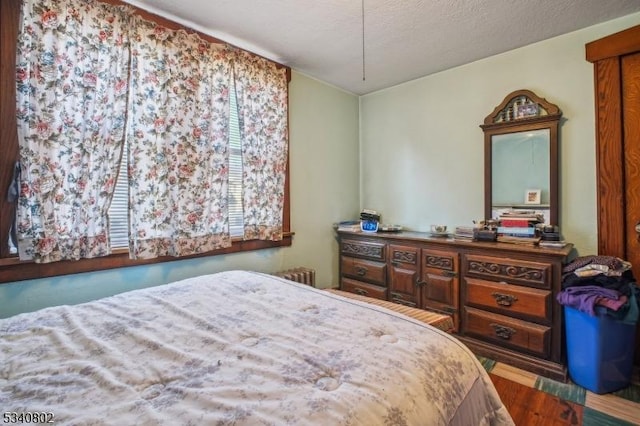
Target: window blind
236	217
119	208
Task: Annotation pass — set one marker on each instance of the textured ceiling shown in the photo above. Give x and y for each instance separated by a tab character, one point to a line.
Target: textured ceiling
403	39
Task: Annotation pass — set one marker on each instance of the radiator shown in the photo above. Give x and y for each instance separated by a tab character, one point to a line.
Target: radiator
300	275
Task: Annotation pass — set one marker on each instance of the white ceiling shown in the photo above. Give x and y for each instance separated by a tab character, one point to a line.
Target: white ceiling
403	39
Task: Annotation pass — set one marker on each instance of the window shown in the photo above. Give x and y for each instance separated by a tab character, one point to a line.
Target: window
119	209
235	169
13	270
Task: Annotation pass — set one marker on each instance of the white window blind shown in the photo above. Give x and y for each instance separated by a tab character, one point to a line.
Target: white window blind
119	209
236	217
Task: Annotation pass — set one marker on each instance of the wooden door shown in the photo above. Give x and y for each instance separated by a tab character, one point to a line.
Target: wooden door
631	130
616	60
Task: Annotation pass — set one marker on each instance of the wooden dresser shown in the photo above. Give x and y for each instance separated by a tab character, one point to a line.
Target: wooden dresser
501	296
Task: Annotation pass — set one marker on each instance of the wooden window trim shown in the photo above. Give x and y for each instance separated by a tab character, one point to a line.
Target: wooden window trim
11	268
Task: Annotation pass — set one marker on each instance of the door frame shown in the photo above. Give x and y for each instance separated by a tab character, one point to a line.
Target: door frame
605	54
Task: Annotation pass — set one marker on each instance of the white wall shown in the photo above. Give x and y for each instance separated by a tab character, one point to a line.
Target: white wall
422	147
324	189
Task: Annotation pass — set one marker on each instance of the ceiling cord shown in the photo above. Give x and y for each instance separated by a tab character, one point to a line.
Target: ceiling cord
363	75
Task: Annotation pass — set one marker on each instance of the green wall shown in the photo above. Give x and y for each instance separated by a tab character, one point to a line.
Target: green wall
422	148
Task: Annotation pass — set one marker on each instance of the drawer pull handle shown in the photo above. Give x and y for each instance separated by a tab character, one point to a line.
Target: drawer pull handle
504	299
361	271
360	291
502	331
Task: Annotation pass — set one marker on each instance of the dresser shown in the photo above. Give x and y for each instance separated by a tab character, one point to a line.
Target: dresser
501	296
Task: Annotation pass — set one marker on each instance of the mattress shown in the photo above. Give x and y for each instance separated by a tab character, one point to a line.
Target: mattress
239	348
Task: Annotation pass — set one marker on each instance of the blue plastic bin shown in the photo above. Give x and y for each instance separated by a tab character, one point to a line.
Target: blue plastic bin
600	350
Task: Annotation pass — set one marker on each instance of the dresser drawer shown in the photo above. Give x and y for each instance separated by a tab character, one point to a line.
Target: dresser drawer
513	271
364	249
512	300
508	332
363	289
365	270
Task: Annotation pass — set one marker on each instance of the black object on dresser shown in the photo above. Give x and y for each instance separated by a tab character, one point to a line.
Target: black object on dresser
501	296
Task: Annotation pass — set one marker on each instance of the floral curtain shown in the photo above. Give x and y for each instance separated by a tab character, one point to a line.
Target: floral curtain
72	70
261	92
178	143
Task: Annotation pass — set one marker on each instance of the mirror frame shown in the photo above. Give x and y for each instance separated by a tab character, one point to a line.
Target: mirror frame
504	119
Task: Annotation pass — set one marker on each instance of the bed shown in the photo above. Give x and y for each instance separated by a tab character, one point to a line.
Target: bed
440	321
239	348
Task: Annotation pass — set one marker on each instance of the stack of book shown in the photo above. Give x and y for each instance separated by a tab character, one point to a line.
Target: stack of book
519	227
552	244
529	241
349	225
520	217
464	233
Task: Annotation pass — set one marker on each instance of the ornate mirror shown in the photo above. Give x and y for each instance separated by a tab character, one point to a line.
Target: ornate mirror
521	156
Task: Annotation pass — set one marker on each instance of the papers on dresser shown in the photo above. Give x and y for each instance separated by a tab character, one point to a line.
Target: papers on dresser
349	225
464	233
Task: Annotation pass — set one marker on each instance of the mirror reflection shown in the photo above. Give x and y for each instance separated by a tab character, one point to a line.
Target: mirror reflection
520	164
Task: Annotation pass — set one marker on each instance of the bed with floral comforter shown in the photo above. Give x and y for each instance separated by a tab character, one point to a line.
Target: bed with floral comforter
239	348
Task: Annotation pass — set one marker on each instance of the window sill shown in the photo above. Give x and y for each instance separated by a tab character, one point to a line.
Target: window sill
13	269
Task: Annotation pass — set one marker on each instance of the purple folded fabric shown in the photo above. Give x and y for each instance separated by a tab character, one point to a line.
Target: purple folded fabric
584	298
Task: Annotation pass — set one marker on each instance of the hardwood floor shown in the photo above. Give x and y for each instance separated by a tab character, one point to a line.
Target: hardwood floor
538	401
529	406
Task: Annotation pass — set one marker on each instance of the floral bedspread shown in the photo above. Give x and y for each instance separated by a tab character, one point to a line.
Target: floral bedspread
239	348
